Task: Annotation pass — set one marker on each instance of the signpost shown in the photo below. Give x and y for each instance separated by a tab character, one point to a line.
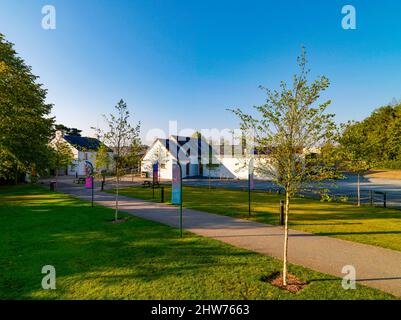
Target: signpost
176	195
89	183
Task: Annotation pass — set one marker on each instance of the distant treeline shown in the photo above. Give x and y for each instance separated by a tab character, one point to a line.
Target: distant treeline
380	134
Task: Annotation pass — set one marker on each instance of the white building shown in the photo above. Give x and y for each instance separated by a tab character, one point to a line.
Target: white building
83	149
198	159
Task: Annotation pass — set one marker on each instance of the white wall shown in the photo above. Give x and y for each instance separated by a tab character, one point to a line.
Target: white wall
152	156
78	165
229	167
234	168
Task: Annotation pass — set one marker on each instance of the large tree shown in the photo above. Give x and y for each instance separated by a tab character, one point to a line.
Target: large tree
120	136
288	127
380	134
67	130
25	125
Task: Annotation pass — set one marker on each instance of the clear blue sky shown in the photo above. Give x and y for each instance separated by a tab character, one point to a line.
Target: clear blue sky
190	60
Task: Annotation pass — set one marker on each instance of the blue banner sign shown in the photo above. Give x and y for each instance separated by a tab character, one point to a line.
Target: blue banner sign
176	185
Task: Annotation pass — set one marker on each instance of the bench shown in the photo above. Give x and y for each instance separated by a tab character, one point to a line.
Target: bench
149	184
79	181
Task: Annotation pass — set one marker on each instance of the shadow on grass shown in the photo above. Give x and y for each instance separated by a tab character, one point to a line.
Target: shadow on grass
82	244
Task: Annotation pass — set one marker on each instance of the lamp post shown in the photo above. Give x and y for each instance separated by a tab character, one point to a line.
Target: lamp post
179	166
250	184
180	182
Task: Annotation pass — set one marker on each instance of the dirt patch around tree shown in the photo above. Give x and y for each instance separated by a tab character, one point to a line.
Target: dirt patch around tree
294	285
121	220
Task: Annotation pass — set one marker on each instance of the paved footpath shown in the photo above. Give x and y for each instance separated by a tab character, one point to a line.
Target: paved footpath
375	267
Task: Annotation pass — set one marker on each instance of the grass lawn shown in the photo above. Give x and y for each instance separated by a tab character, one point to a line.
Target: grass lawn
138	259
370	225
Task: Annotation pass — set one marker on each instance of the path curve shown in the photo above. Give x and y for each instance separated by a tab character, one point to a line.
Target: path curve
375	267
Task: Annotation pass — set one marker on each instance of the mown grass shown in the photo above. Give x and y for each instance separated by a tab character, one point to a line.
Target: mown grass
138	259
369	225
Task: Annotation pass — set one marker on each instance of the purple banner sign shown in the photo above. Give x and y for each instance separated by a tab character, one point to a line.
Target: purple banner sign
156	173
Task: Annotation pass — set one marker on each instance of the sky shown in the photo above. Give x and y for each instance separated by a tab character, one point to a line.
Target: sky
189	61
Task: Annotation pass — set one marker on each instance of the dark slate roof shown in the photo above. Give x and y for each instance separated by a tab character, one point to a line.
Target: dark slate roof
84	143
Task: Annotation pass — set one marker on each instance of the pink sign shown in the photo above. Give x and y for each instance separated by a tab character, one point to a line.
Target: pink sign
88	183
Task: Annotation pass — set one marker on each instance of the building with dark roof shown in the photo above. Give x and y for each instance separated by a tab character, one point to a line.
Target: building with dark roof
198	158
84	149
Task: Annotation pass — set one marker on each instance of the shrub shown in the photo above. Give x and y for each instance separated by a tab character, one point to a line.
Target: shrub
389	164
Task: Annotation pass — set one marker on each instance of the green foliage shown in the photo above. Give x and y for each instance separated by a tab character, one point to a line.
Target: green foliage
62	155
67	130
134	155
121	137
25	125
9	165
291	124
326	198
376	141
389	164
355	151
103	159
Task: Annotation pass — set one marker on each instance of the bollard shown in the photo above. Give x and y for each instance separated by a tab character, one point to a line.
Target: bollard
385	199
162	194
281	212
371	197
102	185
153	190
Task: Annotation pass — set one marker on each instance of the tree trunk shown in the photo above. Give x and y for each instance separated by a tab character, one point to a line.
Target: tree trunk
286	212
359	190
117	185
16	174
55	185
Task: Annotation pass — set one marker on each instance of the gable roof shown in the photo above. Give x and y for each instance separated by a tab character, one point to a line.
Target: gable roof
176	143
84	143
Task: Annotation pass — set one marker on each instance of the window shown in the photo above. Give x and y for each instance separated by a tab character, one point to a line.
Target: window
163	166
